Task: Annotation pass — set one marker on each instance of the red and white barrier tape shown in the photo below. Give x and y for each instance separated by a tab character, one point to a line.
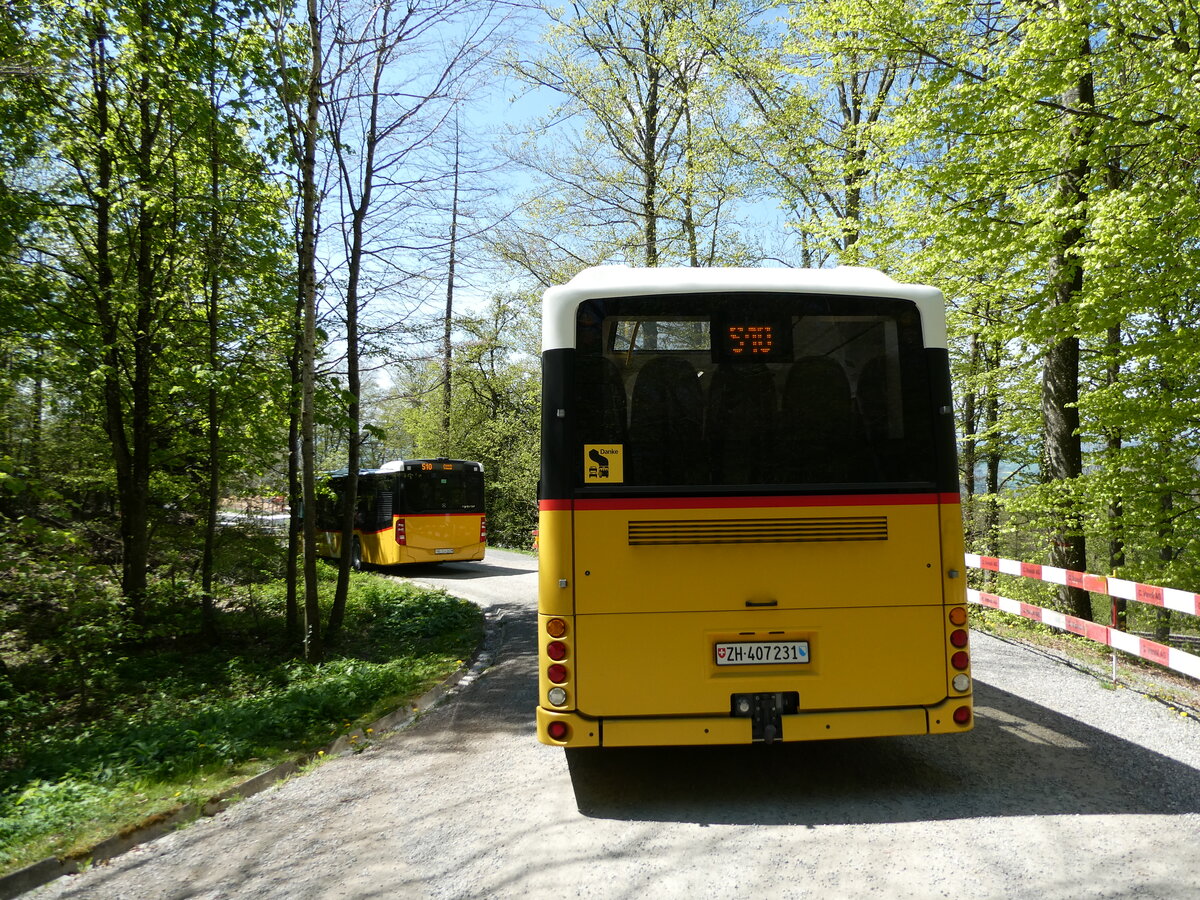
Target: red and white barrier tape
1180	661
1169	598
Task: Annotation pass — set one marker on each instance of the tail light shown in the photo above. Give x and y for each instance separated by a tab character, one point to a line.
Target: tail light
557	678
962	715
959	638
483	529
401	537
960	660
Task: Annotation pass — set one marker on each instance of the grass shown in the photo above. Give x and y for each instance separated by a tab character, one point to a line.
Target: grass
171	723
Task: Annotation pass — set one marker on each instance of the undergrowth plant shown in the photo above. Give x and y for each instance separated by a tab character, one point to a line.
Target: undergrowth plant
161	718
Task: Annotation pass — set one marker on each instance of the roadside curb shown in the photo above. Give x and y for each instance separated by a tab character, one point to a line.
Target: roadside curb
44	871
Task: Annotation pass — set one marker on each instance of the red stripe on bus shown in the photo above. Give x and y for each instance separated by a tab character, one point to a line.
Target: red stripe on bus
434	515
750	502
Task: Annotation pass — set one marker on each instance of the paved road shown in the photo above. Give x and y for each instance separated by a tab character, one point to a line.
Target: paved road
1064	790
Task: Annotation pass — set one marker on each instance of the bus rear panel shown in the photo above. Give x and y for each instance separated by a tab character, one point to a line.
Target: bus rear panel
750	526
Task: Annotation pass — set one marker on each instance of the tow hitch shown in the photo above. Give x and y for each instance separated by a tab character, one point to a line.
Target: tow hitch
765	712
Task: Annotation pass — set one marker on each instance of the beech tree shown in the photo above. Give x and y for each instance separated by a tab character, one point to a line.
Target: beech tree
634	79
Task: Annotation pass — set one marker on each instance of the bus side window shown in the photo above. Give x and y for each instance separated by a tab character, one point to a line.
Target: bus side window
817	423
366	504
383	506
666	425
741	424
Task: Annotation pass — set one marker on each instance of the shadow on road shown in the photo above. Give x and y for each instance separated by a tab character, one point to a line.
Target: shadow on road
1020	760
454	571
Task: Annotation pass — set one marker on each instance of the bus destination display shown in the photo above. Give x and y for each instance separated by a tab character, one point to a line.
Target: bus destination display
742	341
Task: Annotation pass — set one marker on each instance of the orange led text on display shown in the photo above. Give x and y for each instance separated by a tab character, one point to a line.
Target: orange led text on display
750	340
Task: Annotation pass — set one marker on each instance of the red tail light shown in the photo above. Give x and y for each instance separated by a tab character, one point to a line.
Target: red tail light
959	638
556	650
960	660
557	730
962	715
557	673
483	529
401	537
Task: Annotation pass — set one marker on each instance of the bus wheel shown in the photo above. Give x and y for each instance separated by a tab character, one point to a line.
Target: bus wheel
356	562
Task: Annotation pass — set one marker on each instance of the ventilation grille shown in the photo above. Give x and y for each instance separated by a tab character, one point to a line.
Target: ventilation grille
758	531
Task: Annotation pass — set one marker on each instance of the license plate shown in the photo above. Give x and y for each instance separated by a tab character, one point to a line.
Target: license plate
762	653
444	550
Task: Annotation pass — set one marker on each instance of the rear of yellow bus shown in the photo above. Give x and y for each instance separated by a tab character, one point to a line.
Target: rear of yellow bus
439	514
750	526
410	511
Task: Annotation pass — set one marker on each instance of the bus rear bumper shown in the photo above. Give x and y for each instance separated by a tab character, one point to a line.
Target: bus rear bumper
582	731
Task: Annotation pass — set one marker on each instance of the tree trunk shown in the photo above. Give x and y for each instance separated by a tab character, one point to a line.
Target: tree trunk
208	610
1063	454
295	490
130	500
447	322
992	456
1116	506
970	443
650	126
313	645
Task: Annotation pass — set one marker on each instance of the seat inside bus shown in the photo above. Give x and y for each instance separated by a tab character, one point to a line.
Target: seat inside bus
818	423
601	407
666	425
742	404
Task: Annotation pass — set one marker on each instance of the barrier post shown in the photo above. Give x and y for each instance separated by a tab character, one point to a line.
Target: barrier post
1114	649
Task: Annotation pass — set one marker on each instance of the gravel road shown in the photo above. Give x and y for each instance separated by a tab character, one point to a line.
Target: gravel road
1065	789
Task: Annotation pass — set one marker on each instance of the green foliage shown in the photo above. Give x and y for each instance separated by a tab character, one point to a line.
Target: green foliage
495	416
1032	142
174	714
636	168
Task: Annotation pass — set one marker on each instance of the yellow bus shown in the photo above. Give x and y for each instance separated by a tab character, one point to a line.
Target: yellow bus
408	511
749	524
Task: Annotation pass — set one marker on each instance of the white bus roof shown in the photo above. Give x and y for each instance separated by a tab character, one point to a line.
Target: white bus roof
560	302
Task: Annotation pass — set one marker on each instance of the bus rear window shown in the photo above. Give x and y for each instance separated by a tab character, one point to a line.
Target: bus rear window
751	389
434	491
